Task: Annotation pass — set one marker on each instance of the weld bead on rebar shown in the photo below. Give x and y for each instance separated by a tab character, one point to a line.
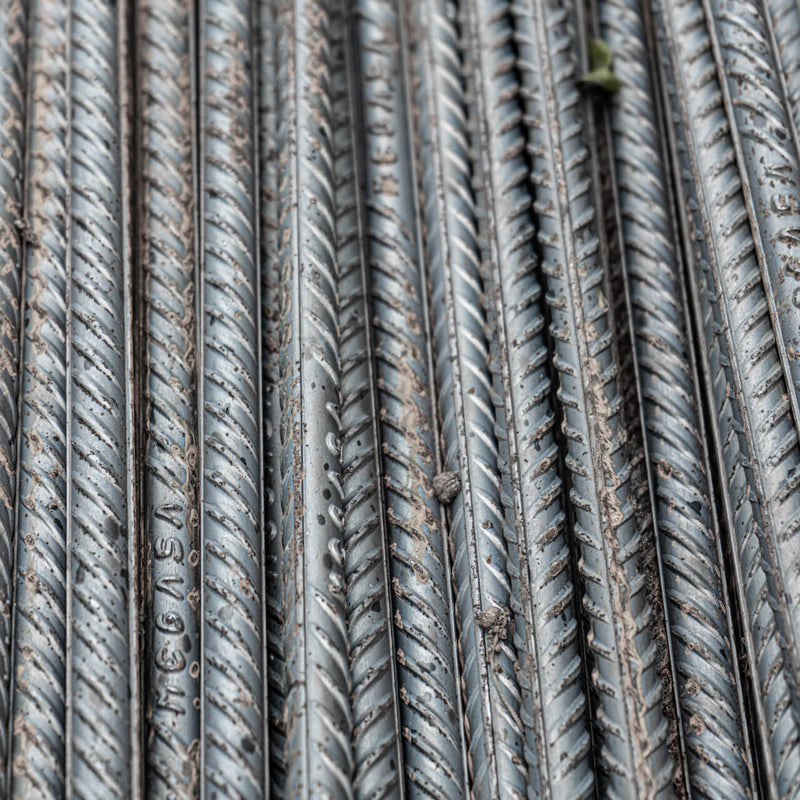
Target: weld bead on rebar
375	694
274	668
632	754
102	712
39	683
551	675
13	228
318	754
423	610
754	431
702	637
480	576
170	483
232	645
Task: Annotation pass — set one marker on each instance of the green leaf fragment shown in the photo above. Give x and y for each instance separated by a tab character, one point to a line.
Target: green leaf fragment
601	55
603	79
601	76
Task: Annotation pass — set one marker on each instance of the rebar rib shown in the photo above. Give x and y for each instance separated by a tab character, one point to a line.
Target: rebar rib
547	632
755	434
270	335
13	233
481	581
102	706
375	694
232	654
170	483
423	613
39	685
691	551
319	725
631	731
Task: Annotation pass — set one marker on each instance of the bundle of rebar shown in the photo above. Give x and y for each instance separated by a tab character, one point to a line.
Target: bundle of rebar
399	399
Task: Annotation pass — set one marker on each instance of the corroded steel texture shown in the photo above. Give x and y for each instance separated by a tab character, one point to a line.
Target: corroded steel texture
232	635
168	255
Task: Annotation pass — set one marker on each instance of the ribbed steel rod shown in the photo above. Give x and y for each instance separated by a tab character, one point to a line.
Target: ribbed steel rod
423	611
375	694
39	685
319	724
480	574
766	148
102	741
785	20
547	632
232	644
598	137
711	713
271	420
755	434
13	32
168	235
631	729
13	29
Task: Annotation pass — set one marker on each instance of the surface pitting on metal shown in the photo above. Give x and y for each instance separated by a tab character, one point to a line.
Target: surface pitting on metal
389	410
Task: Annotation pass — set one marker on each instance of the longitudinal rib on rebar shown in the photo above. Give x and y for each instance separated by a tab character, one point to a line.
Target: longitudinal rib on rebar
375	698
482	584
423	613
632	753
232	638
102	747
13	230
274	665
39	685
764	143
697	601
167	233
547	632
754	433
317	751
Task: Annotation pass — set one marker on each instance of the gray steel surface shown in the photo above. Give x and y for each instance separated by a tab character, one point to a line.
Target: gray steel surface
711	711
629	721
168	234
38	688
232	636
399	413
